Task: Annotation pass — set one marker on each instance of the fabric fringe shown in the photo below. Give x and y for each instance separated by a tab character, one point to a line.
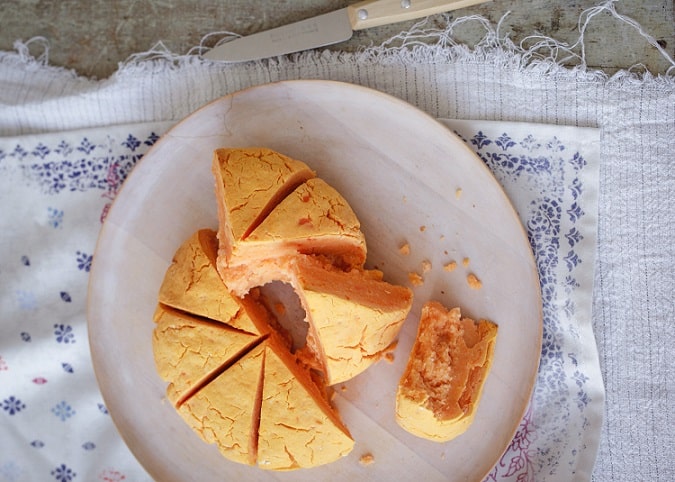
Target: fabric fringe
423	43
22	56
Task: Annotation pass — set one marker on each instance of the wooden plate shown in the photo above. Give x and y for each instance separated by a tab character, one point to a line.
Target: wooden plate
410	180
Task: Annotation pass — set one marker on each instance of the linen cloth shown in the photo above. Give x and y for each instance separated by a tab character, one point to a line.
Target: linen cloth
64	184
49	236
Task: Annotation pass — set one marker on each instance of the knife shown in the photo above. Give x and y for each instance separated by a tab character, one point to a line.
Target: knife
329	28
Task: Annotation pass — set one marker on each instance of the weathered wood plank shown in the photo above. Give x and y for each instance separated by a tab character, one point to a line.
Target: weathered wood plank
93	37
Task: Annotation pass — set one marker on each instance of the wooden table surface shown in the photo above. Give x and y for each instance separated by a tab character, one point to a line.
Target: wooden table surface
93	36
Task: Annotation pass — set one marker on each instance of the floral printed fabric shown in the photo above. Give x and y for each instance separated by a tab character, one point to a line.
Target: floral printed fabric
55	191
551	176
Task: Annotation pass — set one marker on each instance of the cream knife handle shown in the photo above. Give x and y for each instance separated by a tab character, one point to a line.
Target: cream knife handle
372	13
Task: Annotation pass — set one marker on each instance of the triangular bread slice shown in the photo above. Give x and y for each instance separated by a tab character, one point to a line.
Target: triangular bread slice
353	316
249	183
443	381
298	427
192	283
314	219
311	218
188	350
226	411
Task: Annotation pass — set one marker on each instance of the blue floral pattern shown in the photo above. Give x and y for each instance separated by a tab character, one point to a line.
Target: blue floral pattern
63	473
63	411
55	217
83	261
64	333
93	168
551	172
82	166
13	405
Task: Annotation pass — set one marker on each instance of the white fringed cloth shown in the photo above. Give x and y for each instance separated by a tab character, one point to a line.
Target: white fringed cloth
603	404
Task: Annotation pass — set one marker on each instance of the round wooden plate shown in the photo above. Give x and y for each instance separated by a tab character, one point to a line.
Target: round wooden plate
410	180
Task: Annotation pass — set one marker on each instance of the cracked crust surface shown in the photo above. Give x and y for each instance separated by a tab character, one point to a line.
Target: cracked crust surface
314	218
354	316
277	221
298	428
192	284
188	350
225	412
249	183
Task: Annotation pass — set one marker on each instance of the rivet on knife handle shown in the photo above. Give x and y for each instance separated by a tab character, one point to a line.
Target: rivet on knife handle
373	13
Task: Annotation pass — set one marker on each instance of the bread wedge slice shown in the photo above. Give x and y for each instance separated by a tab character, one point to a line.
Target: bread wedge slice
298	427
226	411
188	350
192	284
352	316
249	183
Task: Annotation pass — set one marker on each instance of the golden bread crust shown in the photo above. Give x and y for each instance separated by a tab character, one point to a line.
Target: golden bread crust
192	283
251	396
226	411
353	316
188	350
298	428
249	183
313	219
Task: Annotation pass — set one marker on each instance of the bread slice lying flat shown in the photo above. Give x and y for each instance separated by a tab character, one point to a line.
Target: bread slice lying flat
442	384
226	411
298	426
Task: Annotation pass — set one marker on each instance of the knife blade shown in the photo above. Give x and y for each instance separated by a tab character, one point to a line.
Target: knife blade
329	28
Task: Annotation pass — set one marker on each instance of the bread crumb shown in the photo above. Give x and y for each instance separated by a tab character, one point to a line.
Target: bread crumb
415	279
423	228
367	459
465	262
343	388
389	356
404	249
426	266
474	282
450	267
458	193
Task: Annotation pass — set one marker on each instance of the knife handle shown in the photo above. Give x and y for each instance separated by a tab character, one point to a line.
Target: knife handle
373	13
